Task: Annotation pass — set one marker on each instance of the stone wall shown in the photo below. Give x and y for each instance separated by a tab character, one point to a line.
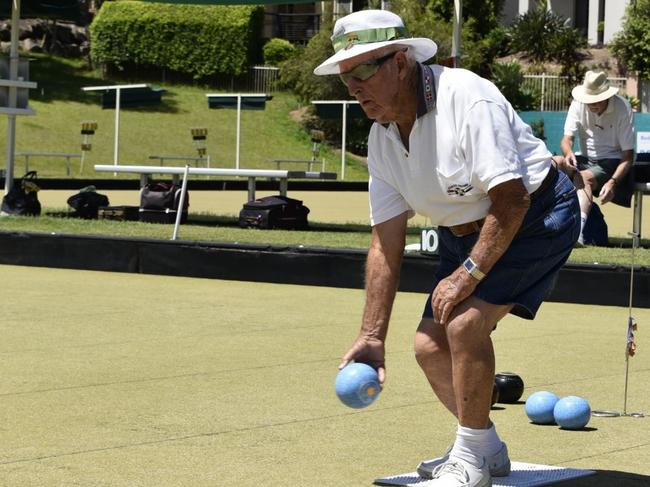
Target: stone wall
58	37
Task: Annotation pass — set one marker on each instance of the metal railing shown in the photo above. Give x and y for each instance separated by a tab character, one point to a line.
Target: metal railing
555	91
264	79
296	27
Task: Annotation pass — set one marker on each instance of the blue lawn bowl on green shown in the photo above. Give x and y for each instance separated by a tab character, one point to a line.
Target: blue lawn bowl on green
540	406
572	413
357	385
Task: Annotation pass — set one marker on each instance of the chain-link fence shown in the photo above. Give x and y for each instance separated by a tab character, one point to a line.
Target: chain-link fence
555	91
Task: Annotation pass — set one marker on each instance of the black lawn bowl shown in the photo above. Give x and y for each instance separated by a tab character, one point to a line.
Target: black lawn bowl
510	385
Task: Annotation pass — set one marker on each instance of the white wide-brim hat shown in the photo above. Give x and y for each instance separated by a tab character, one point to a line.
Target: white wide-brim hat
595	88
368	30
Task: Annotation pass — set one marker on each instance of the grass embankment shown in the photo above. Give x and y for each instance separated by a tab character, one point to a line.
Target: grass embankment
61	105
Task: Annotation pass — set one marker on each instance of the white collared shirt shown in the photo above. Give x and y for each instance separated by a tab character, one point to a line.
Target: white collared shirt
471	141
603	136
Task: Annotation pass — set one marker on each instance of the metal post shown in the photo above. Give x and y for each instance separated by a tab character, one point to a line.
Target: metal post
455	41
637	213
13	95
543	90
181	203
238	129
343	131
116	147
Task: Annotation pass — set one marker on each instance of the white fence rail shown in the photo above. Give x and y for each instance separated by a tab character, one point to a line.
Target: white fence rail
555	91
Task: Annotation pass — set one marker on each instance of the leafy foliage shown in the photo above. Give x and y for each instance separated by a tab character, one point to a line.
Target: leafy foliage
482	15
197	40
509	78
544	36
297	74
277	51
632	44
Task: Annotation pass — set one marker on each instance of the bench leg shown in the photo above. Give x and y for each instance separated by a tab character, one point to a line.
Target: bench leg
251	188
637	207
284	184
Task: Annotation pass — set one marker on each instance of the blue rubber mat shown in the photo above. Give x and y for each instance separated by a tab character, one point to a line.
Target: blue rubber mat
521	475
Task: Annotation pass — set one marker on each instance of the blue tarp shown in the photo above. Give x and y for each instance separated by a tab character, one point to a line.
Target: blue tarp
554	126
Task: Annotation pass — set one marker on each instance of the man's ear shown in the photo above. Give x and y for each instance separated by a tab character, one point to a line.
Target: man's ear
402	65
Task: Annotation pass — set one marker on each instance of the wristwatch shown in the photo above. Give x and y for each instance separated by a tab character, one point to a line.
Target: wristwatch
615	180
472	269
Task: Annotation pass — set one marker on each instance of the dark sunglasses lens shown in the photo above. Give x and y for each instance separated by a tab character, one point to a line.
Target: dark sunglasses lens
361	72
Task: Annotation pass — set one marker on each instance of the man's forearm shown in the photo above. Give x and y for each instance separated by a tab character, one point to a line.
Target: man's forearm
509	206
566	145
624	166
382	277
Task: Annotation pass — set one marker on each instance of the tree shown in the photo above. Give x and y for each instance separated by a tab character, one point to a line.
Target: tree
632	43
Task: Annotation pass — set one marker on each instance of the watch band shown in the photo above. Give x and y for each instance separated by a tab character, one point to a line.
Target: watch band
472	269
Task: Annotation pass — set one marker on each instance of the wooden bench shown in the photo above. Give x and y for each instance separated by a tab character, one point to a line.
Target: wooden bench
195	159
308	162
67	157
133	97
251	174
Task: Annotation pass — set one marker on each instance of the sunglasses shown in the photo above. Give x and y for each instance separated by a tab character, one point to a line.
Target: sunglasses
367	69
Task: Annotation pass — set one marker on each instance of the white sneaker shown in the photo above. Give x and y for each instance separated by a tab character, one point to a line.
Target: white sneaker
498	464
456	472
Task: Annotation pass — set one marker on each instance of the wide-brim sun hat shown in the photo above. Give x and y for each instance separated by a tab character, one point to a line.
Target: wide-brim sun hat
595	88
368	30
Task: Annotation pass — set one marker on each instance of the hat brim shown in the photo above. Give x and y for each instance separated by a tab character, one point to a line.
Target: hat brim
421	48
579	94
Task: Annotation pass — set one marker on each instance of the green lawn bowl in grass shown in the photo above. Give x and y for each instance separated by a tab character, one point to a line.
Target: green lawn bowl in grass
127	379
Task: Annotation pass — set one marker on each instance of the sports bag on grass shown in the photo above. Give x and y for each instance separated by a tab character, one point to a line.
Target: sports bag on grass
86	203
22	199
162	196
274	212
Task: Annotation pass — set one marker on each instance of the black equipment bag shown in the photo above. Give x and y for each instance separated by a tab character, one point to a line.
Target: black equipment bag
595	230
274	212
162	196
22	198
86	203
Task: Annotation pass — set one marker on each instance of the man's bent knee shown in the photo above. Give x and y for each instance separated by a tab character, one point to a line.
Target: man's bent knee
430	341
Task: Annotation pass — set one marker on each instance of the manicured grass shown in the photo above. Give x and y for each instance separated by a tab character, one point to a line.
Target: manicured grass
116	379
61	106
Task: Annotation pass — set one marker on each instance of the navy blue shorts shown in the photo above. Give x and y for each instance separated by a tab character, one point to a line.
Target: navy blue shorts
525	273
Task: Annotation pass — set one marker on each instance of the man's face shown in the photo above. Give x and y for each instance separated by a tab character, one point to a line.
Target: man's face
599	107
376	93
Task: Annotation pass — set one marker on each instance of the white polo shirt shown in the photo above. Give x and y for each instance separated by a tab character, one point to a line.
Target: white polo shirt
469	141
603	136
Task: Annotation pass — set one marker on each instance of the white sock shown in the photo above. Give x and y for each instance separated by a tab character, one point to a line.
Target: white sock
583	220
493	443
470	445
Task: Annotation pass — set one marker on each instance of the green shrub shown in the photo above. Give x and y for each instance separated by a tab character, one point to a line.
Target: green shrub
297	74
277	51
632	43
198	40
533	33
509	78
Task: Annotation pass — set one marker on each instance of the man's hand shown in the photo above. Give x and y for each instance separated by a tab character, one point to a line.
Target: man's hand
571	160
607	191
450	292
369	350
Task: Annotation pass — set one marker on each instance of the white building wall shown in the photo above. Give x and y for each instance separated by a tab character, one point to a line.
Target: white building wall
614	13
592	27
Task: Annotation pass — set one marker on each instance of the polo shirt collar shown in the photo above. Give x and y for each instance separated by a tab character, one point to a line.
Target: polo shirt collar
426	96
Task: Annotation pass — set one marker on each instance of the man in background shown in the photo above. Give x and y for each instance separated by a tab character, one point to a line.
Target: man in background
604	122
